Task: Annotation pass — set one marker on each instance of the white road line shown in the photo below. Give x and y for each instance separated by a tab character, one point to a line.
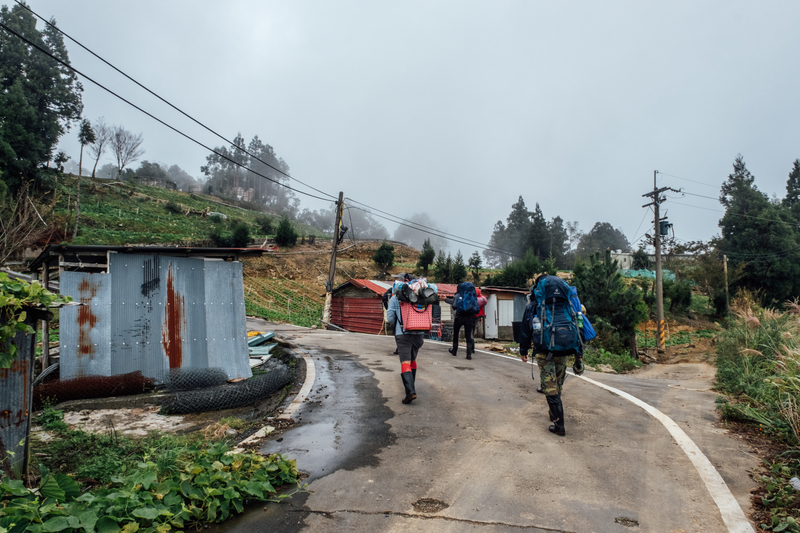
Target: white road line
311	376
729	508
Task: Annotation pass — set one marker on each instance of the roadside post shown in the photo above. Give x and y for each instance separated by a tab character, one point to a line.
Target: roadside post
326	311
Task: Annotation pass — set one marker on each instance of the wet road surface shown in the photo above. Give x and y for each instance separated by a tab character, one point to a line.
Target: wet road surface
476	445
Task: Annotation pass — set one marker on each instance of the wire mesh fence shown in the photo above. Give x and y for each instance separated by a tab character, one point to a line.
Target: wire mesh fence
228	396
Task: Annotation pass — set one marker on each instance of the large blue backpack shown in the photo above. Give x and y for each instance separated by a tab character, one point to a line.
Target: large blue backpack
588	330
467	299
559	330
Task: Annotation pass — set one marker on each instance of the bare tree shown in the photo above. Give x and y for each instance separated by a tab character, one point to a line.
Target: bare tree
102	133
125	146
21	222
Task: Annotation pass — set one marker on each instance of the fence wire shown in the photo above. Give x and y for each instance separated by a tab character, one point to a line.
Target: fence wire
228	396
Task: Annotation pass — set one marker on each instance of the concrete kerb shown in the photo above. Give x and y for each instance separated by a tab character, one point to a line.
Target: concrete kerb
305	390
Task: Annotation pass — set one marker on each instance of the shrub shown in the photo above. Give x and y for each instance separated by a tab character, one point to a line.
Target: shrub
220	239
216	219
679	294
619	362
384	256
285	235
241	235
264	222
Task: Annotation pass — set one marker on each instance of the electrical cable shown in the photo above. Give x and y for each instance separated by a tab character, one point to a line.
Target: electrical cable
46	52
431	232
421	227
169	103
687	179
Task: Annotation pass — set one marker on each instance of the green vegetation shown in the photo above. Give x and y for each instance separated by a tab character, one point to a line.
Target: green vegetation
384	256
126	213
758	366
675	339
282	300
426	257
155	484
619	362
285	235
14	296
616	308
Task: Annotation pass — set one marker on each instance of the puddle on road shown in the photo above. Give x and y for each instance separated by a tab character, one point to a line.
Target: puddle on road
338	429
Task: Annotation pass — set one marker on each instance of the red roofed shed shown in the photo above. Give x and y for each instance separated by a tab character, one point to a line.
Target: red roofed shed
356	306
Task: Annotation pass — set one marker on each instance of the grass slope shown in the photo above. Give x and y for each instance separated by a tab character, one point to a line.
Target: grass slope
115	213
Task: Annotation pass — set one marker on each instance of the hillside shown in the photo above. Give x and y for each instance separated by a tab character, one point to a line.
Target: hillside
284	286
116	213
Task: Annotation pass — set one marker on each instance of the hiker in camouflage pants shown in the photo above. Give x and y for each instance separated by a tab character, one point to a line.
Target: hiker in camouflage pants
552	373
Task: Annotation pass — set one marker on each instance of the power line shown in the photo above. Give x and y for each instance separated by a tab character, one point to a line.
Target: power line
167	102
687	179
434	233
421	227
46	52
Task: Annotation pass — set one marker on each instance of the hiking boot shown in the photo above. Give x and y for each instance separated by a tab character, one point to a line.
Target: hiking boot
453	352
408	384
469	356
556	415
539	390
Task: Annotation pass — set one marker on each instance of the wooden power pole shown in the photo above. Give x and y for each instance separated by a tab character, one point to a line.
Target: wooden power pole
657	199
326	312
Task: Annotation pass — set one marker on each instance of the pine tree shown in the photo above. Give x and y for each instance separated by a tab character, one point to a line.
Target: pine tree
441	267
614	308
384	256
458	272
85	136
762	235
427	257
474	265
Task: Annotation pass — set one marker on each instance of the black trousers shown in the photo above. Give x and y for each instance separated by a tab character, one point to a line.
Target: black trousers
468	322
408	346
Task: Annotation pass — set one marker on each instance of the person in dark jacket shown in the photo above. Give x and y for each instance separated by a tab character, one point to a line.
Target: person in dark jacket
552	365
465	320
408	345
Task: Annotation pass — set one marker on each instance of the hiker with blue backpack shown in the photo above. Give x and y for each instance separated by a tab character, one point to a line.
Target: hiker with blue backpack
465	307
554	326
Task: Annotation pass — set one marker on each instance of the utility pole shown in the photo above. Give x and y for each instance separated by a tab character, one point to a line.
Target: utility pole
657	199
326	312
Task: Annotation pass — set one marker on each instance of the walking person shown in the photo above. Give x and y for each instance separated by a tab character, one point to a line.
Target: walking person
408	345
549	327
465	308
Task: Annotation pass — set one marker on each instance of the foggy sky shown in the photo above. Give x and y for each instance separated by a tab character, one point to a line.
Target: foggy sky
464	106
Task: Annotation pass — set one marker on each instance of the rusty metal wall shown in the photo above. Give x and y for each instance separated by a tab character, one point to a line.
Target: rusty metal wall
225	318
15	403
85	330
157	314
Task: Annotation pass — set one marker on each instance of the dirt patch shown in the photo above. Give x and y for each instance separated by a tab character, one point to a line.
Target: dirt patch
688	372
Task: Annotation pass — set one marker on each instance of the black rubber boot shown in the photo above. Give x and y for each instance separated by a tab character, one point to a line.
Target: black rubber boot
408	383
556	415
453	351
469	353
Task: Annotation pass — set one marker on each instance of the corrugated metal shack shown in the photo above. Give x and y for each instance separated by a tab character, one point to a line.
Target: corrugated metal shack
356	306
149	308
504	305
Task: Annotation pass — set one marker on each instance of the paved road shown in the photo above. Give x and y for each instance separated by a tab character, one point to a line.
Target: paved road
476	440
